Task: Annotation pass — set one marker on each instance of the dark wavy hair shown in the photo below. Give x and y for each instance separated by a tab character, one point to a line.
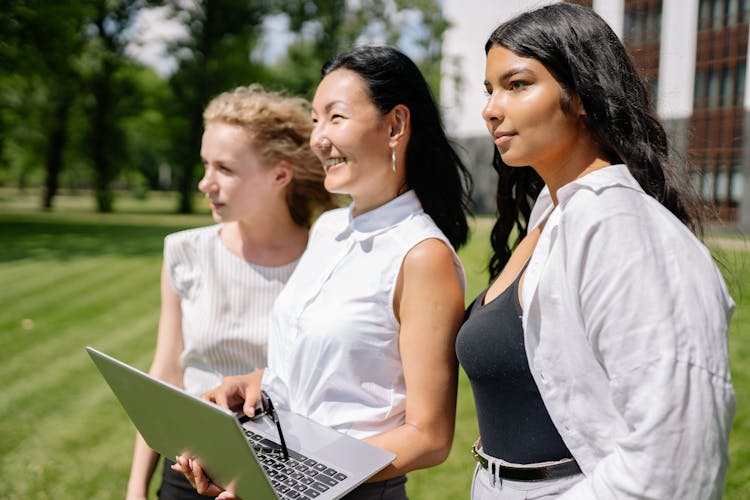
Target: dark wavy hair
588	60
433	169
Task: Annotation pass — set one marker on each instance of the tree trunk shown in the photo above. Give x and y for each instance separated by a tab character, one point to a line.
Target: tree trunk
58	137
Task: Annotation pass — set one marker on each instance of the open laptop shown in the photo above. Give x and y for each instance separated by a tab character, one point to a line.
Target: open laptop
242	454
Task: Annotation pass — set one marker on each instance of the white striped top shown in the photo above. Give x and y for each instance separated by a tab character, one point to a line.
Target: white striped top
226	306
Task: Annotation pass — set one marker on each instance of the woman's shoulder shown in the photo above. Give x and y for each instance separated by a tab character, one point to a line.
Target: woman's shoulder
418	227
190	241
192	235
605	194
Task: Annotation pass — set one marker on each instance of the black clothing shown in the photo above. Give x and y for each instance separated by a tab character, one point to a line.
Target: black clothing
513	422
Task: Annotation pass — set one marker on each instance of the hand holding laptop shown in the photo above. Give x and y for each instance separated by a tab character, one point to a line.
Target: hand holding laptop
235	393
244	456
192	468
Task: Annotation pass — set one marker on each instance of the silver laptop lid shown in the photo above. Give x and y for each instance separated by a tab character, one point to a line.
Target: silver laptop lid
172	422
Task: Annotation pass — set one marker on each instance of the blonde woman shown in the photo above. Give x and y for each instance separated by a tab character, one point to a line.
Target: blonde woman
218	283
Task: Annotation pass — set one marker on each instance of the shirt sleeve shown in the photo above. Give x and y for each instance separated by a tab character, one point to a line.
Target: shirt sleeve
182	263
655	313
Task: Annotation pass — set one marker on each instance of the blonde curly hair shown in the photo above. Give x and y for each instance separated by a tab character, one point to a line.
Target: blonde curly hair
279	128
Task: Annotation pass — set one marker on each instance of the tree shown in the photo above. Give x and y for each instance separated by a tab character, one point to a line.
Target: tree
325	27
108	81
42	39
213	57
73	54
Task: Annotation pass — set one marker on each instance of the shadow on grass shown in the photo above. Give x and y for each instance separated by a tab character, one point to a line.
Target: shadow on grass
34	238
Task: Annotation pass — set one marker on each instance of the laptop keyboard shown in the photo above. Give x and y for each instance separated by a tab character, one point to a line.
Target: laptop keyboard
299	477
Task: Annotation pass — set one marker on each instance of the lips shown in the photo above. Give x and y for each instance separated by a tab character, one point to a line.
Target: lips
502	138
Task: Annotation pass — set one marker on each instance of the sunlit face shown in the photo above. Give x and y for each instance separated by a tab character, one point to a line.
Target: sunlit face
237	181
350	137
524	112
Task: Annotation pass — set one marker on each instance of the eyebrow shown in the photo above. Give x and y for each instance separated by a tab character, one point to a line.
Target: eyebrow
511	72
331	104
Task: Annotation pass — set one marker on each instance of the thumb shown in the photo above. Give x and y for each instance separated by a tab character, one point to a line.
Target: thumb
249	408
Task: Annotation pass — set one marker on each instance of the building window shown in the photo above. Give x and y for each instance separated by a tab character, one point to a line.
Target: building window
713	89
740	85
699	91
717	15
727	88
736	184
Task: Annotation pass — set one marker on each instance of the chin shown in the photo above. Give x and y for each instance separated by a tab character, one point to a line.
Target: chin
511	162
334	187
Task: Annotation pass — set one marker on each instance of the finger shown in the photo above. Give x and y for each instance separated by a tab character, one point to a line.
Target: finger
182	465
203	484
249	408
219	396
201	481
208	396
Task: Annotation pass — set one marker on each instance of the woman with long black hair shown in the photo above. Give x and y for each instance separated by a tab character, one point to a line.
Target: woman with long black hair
598	353
365	329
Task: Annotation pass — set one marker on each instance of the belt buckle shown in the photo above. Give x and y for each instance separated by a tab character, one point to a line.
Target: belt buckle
479	458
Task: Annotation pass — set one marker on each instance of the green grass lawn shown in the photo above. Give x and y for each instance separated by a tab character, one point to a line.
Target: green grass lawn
73	278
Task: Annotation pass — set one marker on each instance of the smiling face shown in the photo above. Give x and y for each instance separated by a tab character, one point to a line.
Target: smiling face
237	181
351	138
532	119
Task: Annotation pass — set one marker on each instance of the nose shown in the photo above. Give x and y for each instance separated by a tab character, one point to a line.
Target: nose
494	110
207	184
318	142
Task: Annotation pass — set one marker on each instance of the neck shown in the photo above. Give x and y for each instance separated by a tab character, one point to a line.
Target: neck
391	189
269	240
574	164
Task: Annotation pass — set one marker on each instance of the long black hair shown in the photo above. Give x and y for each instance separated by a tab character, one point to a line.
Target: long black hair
433	169
588	60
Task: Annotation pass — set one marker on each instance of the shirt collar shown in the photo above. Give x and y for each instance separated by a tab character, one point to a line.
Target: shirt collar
381	218
598	180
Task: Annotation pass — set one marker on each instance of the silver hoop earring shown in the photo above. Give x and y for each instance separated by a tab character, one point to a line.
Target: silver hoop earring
393	160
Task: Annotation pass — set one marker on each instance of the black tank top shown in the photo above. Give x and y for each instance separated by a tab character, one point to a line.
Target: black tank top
513	422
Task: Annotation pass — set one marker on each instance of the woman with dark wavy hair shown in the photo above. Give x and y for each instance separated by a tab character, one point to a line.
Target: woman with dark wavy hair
598	353
375	303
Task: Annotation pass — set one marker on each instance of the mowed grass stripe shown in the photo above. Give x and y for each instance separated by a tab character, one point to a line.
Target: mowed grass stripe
59	383
94	426
100	293
82	282
132	306
34	278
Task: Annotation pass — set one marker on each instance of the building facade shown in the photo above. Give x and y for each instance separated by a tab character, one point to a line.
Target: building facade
693	55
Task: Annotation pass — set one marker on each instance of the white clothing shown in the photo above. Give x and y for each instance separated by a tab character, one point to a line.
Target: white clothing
625	320
334	354
226	306
486	487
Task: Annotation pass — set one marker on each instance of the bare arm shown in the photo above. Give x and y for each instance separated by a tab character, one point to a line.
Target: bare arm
429	303
165	366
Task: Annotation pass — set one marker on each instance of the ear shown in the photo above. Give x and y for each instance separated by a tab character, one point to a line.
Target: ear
578	106
283	173
400	121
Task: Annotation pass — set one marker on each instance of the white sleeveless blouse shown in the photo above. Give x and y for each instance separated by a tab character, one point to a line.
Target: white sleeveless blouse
334	354
226	306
